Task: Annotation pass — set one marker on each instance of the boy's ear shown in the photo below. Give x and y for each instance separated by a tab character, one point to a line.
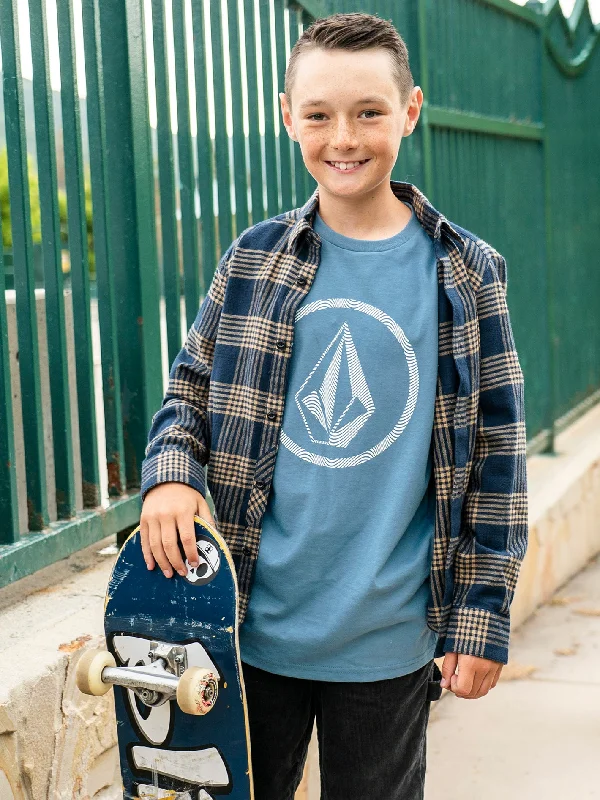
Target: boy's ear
413	110
287	116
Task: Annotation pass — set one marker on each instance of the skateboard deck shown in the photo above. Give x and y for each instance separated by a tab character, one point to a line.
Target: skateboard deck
160	625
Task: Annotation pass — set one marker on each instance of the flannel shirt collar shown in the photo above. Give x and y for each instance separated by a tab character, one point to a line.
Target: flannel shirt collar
430	218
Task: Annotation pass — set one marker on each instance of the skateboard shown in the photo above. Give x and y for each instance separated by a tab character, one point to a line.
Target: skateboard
173	657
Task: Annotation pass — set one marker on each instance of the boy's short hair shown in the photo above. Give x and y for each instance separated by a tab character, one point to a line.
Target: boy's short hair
354	31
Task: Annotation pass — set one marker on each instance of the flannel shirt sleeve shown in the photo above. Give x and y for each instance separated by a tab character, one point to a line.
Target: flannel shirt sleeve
494	536
178	444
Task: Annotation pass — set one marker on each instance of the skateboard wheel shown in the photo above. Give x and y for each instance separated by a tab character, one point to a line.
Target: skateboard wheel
197	690
89	672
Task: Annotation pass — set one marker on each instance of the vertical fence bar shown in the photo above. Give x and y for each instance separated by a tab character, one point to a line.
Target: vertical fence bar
285	160
552	342
204	148
268	99
9	510
310	183
20	215
299	168
168	218
53	278
111	383
424	83
239	142
143	395
254	144
189	239
221	139
78	255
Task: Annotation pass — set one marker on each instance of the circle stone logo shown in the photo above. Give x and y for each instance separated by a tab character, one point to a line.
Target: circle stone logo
315	401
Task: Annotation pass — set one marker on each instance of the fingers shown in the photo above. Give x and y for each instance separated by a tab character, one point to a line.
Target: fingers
448	669
167	525
160	544
462	683
486	684
474	684
497	675
157	548
170	545
187	534
145	540
478	680
475	677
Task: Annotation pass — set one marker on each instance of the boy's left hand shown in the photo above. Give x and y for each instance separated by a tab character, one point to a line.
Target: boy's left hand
476	676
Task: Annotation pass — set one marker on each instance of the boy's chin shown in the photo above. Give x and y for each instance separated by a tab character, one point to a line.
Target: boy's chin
339	189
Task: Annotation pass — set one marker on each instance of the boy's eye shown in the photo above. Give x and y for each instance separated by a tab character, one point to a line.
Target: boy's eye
319	114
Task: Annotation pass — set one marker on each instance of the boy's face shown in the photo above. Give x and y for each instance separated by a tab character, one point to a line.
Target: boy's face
346	108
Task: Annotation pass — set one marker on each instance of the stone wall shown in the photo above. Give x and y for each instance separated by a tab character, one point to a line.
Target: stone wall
57	744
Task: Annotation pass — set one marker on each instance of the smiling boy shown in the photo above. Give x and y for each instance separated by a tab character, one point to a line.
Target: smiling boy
370	480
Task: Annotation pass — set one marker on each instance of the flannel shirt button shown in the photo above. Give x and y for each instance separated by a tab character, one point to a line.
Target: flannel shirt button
301	282
259	484
272	415
280	344
247	551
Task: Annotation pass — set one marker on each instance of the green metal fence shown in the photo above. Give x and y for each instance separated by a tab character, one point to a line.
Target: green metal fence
507	145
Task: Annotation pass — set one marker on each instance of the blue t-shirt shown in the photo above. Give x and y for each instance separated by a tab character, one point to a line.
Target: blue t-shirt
341	584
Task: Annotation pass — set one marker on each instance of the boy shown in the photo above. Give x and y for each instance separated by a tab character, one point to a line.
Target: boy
379	465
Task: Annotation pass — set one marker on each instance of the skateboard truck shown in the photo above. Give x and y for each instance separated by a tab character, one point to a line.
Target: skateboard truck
167	677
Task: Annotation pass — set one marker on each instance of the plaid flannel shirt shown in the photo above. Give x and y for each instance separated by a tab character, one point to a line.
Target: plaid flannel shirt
225	399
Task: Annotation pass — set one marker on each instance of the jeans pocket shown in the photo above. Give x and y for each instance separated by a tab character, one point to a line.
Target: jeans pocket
434	689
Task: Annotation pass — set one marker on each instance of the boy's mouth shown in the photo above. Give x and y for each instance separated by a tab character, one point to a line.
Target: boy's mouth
347	166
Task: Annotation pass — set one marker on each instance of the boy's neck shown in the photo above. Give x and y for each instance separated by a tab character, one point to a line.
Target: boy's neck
379	215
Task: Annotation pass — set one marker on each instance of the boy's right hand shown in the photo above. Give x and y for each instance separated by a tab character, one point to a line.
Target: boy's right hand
169	508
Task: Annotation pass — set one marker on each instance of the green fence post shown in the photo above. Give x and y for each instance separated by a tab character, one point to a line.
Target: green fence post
166	178
264	12
424	124
131	223
78	256
9	512
20	216
240	172
254	139
204	150
53	278
552	341
187	183
222	165
103	258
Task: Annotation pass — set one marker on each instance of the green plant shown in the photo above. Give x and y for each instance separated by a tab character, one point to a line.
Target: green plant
34	199
34	195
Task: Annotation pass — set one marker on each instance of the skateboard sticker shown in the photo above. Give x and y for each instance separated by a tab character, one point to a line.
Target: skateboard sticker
146	792
203	767
209	563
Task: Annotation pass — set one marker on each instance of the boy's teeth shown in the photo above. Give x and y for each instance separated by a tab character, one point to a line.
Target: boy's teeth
343	165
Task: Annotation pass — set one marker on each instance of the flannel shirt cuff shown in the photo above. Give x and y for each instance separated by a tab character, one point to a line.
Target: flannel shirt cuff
172	465
478	632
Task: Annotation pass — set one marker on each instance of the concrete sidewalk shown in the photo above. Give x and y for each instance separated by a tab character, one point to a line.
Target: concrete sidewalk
537	733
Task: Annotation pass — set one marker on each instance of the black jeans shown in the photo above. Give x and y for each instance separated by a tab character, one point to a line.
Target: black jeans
372	736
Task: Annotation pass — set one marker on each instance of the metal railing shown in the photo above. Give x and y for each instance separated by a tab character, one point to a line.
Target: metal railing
186	150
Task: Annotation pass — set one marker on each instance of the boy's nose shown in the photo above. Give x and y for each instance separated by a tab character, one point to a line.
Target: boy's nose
344	137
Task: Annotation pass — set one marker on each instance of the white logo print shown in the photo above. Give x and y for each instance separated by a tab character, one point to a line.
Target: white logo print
323	400
335	407
209	562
